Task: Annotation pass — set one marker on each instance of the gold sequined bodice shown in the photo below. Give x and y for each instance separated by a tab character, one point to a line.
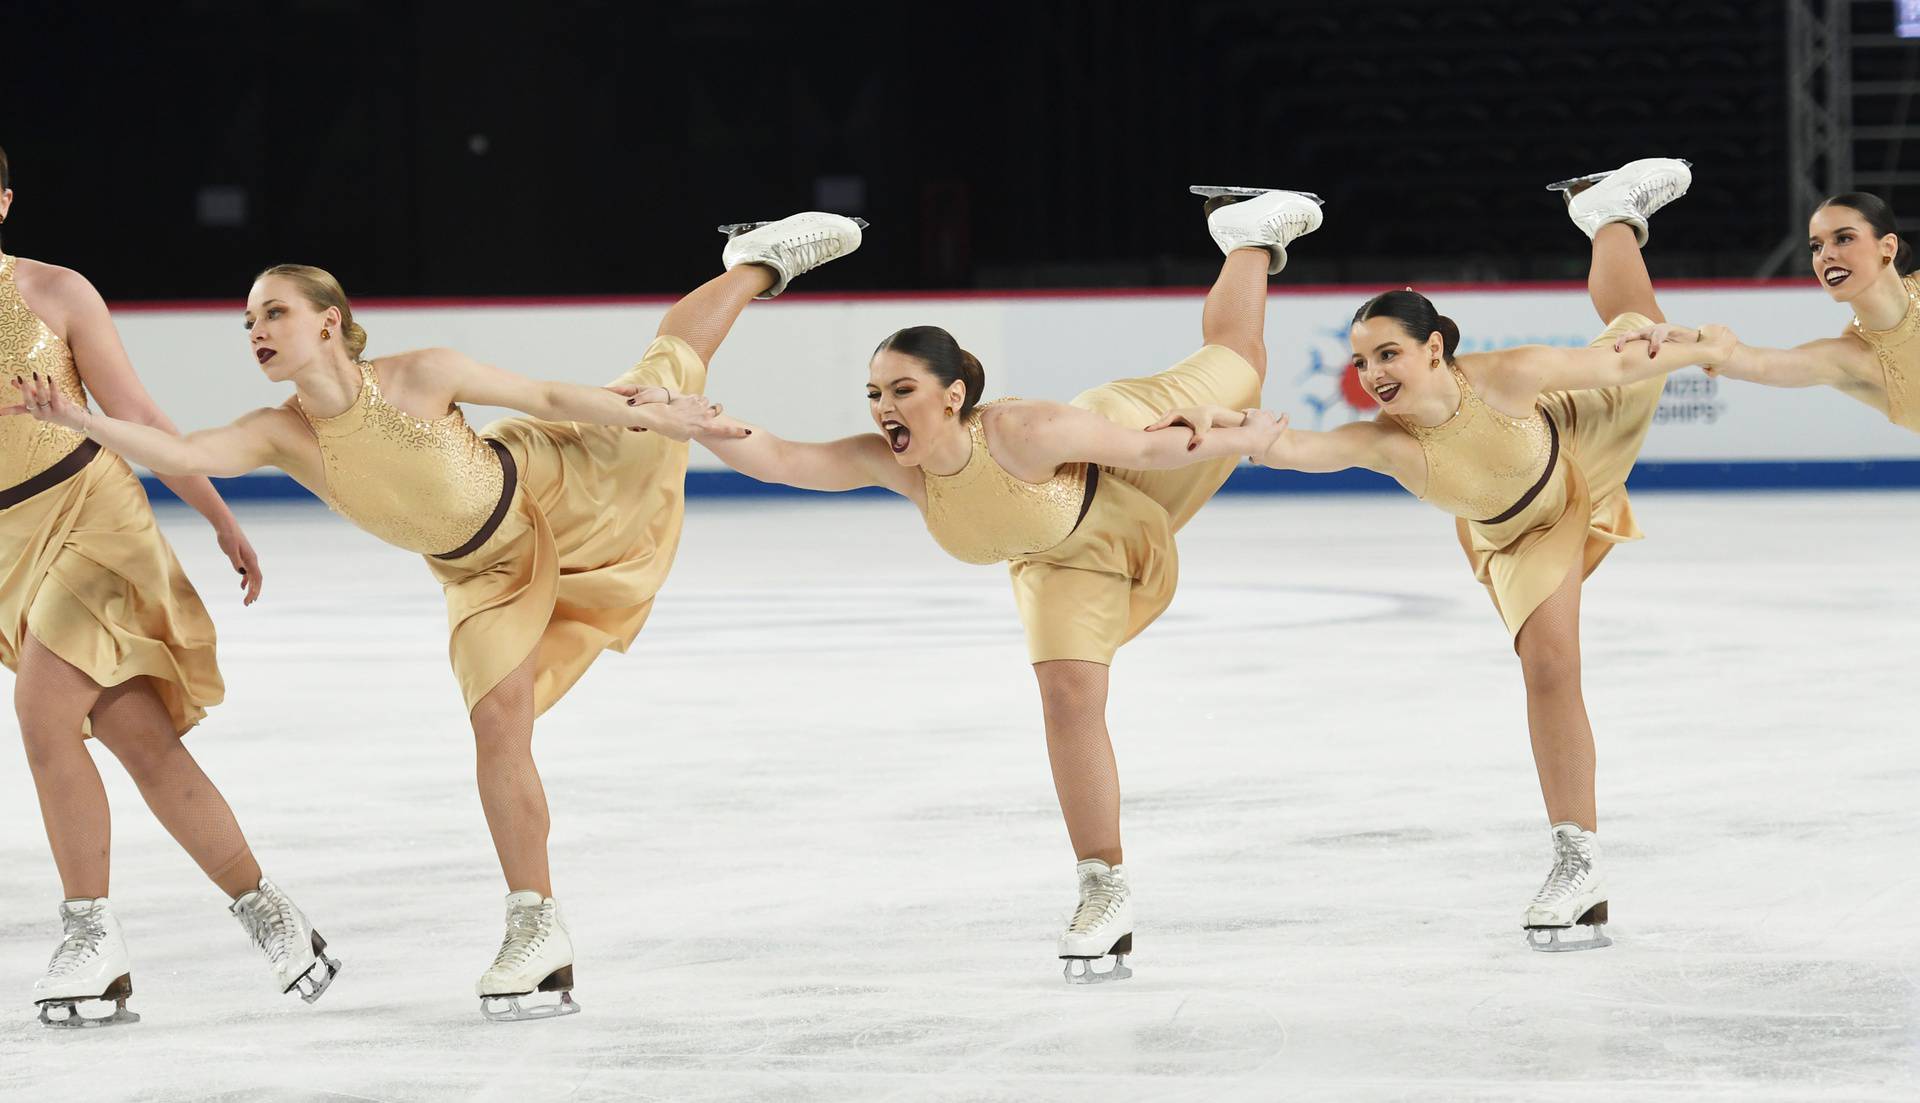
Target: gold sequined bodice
423	485
1898	350
28	446
1481	461
983	514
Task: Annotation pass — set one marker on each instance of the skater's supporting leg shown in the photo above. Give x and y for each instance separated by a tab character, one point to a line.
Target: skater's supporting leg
52	697
1549	649
131	721
510	789
1073	696
1235	314
1617	278
703	318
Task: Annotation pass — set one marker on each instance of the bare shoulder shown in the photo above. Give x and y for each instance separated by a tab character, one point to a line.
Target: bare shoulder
55	293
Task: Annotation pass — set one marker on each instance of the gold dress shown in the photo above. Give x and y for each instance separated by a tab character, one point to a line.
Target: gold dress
83	567
584	521
1087	584
1898	350
1535	497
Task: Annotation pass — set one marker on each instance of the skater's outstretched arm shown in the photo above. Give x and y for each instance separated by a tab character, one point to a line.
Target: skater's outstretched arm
1032	439
1832	361
1372	445
432	373
253	442
1519	375
108	374
845	464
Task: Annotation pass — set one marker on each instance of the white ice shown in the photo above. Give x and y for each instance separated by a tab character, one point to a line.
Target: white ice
807	836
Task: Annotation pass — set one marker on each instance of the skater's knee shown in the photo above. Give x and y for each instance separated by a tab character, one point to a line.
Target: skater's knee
1072	691
1551	665
143	757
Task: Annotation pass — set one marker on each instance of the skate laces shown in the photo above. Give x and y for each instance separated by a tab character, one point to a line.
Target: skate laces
810	251
85	931
1571	864
1654	189
526	930
1100	897
269	921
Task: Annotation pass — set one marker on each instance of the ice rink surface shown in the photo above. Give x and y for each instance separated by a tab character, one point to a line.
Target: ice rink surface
808	843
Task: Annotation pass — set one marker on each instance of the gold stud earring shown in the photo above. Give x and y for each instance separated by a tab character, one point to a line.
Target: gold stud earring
949	411
324	335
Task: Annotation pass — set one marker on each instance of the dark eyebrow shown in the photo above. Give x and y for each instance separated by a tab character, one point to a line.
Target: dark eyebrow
902	379
1387	345
1840	230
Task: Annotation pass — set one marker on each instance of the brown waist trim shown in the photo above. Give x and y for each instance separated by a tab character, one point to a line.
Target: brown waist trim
1553	459
509	478
67	468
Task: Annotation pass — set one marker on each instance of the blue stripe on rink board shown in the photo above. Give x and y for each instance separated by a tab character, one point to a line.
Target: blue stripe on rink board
1690	475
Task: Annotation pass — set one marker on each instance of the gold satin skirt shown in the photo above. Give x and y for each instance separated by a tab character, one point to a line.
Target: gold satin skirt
1576	523
574	567
84	570
1116	573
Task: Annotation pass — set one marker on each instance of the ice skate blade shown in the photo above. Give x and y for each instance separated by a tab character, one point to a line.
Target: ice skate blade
735	229
72	1019
1552	943
1595	178
515	1012
316	980
1211	191
1080	970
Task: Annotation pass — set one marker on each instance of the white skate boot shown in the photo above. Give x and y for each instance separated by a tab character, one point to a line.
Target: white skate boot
91	964
1574	895
1629	194
292	947
1101	925
535	956
1259	218
793	246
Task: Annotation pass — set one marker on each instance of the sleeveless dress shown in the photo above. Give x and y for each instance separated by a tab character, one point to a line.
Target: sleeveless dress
1536	497
1898	350
83	567
1091	551
544	535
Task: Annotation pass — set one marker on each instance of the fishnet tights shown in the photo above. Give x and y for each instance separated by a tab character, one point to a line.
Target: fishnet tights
510	790
1073	698
1617	278
51	698
703	318
1563	754
1235	313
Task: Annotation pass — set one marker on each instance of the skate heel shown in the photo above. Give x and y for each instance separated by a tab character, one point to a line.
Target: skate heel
314	983
70	1018
560	980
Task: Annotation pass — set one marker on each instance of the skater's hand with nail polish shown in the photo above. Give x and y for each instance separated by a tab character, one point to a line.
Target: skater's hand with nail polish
641	396
41	400
1655	336
1199	419
684	417
239	552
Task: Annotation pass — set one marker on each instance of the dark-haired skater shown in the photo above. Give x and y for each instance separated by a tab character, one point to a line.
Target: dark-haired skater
1857	254
1078	500
1529	448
